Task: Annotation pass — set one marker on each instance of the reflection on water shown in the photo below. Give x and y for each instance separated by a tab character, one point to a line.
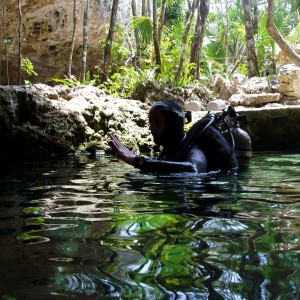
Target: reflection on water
83	228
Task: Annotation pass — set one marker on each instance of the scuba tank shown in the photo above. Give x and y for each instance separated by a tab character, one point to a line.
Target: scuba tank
228	124
238	138
242	144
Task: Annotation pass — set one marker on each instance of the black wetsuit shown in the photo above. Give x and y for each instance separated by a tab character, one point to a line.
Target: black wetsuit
219	154
210	153
194	162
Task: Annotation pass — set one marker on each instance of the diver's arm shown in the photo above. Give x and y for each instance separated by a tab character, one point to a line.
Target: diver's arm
162	166
149	164
195	162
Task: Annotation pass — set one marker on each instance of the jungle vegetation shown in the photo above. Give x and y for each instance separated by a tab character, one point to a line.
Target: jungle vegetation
181	42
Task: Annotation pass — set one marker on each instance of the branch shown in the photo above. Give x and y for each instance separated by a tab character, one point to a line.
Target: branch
278	38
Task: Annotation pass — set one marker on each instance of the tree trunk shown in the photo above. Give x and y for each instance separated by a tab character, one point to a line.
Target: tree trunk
226	37
190	15
161	19
287	50
20	39
109	40
6	42
148	8
255	17
184	40
136	35
73	38
144	8
203	11
252	65
155	36
195	45
85	37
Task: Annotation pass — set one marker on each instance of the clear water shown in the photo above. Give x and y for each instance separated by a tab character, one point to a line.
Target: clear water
83	228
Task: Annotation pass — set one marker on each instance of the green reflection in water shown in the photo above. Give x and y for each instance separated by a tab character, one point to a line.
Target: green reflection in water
132	237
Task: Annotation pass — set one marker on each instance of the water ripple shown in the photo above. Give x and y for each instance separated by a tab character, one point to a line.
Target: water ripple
85	228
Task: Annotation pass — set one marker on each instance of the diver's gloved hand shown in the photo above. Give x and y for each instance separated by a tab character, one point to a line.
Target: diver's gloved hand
123	152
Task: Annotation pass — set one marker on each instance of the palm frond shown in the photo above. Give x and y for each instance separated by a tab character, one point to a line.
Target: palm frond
145	27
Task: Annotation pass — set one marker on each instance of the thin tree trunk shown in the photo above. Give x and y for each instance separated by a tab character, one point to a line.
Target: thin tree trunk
136	35
85	37
203	11
144	8
20	40
161	19
184	40
148	8
226	36
255	17
280	41
195	45
73	38
109	40
155	36
6	41
252	65
7	67
241	54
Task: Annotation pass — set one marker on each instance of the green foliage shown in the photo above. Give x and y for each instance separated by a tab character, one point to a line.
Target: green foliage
28	67
145	27
294	36
6	41
177	30
5	297
120	52
88	80
73	81
284	21
127	81
265	44
129	73
214	50
174	11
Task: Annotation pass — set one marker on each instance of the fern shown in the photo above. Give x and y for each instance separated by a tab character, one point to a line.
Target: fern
71	82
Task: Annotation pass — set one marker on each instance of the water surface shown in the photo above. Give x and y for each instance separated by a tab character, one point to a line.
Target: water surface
95	228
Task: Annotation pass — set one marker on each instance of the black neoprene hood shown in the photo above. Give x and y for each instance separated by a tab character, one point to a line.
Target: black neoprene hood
174	127
169	105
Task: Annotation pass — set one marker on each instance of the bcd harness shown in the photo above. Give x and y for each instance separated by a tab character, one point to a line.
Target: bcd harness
227	123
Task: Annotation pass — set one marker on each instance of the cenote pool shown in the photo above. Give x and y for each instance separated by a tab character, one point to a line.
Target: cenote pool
95	228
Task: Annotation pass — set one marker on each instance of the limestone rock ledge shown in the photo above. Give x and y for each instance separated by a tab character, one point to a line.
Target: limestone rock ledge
40	121
273	128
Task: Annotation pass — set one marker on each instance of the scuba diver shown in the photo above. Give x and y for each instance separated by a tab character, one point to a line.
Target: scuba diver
202	149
